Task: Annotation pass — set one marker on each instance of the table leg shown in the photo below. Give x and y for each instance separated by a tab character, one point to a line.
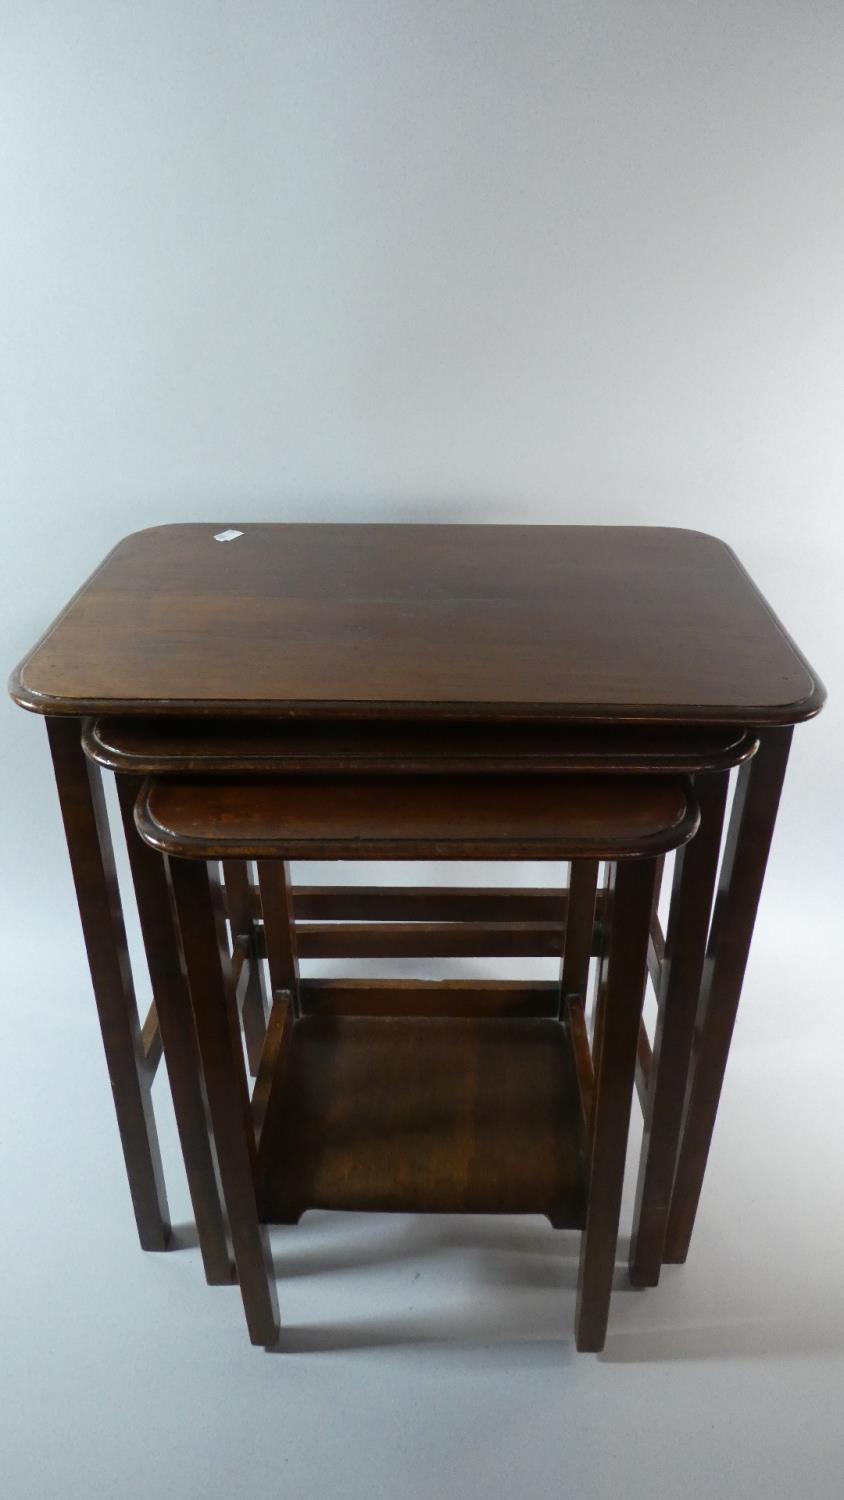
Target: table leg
203	941
577	942
623	975
181	1054
695	871
92	862
255	1009
279	928
743	866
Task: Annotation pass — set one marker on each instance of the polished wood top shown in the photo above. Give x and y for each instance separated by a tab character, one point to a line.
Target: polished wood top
441	817
559	622
209	746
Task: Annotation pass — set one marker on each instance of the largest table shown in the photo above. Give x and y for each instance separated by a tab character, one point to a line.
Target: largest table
575	625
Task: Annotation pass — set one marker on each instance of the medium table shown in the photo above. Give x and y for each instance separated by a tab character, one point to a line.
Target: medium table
436	631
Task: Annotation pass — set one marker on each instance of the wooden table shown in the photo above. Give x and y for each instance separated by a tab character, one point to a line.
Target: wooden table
431	629
414	1113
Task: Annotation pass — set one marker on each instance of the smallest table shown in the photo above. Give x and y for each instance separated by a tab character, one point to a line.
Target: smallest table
420	1114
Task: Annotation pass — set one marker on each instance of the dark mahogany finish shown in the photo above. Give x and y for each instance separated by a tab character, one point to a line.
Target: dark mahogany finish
742	872
204	944
207	747
695	870
179	1041
92	862
480	1114
452	922
621	986
394	650
615	624
425	1115
443	817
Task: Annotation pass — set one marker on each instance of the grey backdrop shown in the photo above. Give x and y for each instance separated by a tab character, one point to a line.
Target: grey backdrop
474	262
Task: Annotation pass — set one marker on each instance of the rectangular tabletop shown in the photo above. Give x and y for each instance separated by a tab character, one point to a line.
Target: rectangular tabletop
590	623
428	817
205	745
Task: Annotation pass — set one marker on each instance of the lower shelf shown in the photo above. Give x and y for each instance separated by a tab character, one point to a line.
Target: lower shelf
424	1115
